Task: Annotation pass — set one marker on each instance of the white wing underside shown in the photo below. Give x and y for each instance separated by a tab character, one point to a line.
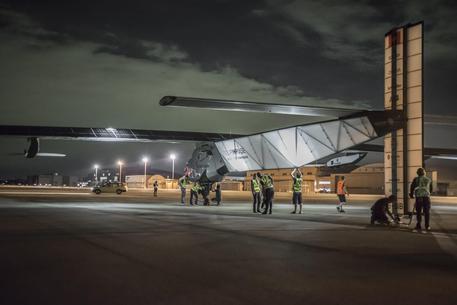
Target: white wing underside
295	146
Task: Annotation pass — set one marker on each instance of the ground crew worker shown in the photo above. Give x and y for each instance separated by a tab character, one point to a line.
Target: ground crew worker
156	187
296	188
204	190
421	188
380	210
182	182
262	190
267	185
256	197
194	193
341	192
217	190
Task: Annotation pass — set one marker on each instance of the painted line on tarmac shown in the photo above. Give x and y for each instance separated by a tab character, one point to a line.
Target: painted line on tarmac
336	214
206	215
446	242
43	193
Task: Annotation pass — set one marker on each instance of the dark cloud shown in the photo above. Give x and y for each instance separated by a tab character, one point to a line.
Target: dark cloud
328	48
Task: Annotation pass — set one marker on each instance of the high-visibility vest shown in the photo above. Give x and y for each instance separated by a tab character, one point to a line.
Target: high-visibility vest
183	182
297	185
423	187
267	183
256	185
340	188
195	188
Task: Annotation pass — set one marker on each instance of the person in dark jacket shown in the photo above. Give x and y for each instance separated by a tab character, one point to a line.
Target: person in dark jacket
380	210
156	188
297	188
204	191
268	189
421	188
217	190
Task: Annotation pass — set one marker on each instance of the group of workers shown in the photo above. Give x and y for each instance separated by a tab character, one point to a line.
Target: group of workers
263	193
420	190
199	188
262	188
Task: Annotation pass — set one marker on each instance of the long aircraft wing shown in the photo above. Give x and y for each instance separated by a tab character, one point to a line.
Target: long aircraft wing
283	148
244	106
287	147
137	135
110	134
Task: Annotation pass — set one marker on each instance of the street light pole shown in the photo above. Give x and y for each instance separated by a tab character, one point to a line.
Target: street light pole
120	170
96	172
173	157
145	160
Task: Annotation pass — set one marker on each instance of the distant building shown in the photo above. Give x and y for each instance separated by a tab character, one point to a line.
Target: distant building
70	180
229	184
137	181
107	174
52	180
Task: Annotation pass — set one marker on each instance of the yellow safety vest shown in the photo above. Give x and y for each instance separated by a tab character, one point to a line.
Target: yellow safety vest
423	187
297	185
267	183
183	182
256	185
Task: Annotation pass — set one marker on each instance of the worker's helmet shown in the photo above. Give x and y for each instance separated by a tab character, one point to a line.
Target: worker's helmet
420	171
259	175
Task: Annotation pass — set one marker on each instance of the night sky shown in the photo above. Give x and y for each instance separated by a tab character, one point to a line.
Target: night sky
107	63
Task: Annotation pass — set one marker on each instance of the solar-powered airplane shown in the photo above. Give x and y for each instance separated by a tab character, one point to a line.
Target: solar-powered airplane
218	154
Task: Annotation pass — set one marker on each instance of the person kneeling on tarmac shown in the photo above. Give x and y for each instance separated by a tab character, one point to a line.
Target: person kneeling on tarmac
380	210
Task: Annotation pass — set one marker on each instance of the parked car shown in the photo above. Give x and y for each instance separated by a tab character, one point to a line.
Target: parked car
110	187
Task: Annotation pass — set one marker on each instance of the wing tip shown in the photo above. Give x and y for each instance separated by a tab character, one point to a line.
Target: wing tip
167	100
53	155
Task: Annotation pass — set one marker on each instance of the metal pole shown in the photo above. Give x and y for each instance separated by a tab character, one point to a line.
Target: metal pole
96	174
394	99
120	173
173	169
145	182
405	123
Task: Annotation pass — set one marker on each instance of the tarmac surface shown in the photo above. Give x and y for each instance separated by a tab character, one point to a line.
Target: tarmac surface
73	247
